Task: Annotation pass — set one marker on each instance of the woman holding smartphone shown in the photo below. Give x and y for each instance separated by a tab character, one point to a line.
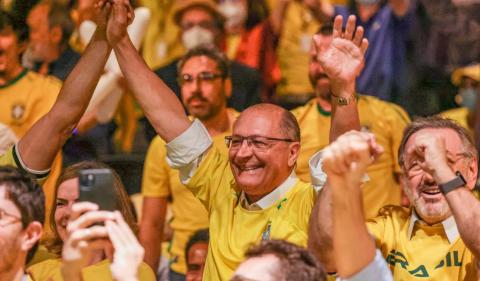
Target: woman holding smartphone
95	244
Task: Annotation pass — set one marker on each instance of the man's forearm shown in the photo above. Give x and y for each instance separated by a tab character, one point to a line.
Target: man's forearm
344	117
41	143
159	103
320	241
354	248
466	211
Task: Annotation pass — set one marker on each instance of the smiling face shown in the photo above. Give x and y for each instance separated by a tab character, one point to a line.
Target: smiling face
10	233
203	98
197	256
258	172
422	190
10	50
41	41
67	194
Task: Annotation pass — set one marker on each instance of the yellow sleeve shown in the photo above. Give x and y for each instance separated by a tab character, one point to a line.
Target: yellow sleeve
376	227
46	270
11	158
145	273
398	119
156	177
212	179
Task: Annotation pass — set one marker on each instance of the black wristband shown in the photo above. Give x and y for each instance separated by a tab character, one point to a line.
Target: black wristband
455	183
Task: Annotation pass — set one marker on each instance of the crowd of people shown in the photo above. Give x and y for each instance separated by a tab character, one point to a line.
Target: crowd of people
275	140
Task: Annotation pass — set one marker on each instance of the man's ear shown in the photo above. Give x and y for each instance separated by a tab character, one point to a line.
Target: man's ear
56	34
31	235
228	87
294	152
472	171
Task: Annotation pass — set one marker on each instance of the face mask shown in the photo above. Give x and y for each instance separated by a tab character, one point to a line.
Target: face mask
367	2
468	98
234	12
197	36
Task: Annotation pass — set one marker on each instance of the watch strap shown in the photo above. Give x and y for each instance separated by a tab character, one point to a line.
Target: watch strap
458	181
343	100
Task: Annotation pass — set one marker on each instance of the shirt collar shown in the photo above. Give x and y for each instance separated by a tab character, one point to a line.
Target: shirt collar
449	226
270	198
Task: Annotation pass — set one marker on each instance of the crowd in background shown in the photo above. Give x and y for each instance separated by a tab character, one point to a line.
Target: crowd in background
220	58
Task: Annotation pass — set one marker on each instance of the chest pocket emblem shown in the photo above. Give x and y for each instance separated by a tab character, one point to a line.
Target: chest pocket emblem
18	111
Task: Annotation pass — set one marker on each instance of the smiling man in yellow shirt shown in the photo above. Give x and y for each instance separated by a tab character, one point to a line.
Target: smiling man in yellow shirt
205	86
253	194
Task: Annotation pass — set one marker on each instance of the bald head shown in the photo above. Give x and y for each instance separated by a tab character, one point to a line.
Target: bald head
276	116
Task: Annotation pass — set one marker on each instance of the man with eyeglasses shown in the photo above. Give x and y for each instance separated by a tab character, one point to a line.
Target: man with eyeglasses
253	194
22	213
437	237
201	23
204	78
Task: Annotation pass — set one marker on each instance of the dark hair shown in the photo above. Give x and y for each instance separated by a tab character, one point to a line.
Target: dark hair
18	25
296	263
289	125
201	236
435	122
123	203
59	15
27	195
326	28
223	64
257	11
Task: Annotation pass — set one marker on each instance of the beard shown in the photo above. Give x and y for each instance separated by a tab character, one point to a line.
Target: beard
429	211
322	91
208	109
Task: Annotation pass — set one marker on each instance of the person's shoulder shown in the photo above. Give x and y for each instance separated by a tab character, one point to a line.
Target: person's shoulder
167	68
44	268
454	113
301	110
42	82
145	273
383	108
393	212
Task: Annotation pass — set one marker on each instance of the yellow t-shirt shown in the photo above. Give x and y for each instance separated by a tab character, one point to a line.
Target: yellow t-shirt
10	158
233	229
49	270
25	100
385	120
298	29
426	255
460	116
189	215
161	44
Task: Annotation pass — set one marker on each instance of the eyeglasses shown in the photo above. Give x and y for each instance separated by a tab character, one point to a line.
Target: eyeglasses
4	215
414	169
201	77
260	143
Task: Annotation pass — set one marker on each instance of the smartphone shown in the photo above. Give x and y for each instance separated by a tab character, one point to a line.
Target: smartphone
96	186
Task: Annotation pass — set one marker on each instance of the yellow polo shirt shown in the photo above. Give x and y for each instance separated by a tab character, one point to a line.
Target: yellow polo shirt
11	158
49	270
189	215
385	120
233	229
459	115
417	251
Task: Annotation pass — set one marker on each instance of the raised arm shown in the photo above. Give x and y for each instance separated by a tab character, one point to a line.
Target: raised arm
159	103
40	144
342	62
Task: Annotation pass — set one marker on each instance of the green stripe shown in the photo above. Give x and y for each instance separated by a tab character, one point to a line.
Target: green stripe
14	80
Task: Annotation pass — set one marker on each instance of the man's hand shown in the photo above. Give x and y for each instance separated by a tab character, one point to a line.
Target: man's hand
128	253
120	16
346	160
343	60
83	238
102	10
432	156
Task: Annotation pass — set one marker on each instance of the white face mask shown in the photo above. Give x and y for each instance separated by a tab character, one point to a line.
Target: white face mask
234	12
196	36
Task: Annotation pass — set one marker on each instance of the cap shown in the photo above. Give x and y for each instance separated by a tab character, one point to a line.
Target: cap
182	5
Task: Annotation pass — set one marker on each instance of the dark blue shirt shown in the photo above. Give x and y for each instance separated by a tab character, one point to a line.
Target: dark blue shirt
384	74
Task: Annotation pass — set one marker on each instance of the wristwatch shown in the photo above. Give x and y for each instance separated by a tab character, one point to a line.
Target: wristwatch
458	181
343	100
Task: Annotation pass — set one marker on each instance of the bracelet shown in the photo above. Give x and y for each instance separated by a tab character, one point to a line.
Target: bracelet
343	100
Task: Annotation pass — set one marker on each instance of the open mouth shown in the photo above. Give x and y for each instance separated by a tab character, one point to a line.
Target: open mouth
249	168
431	191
